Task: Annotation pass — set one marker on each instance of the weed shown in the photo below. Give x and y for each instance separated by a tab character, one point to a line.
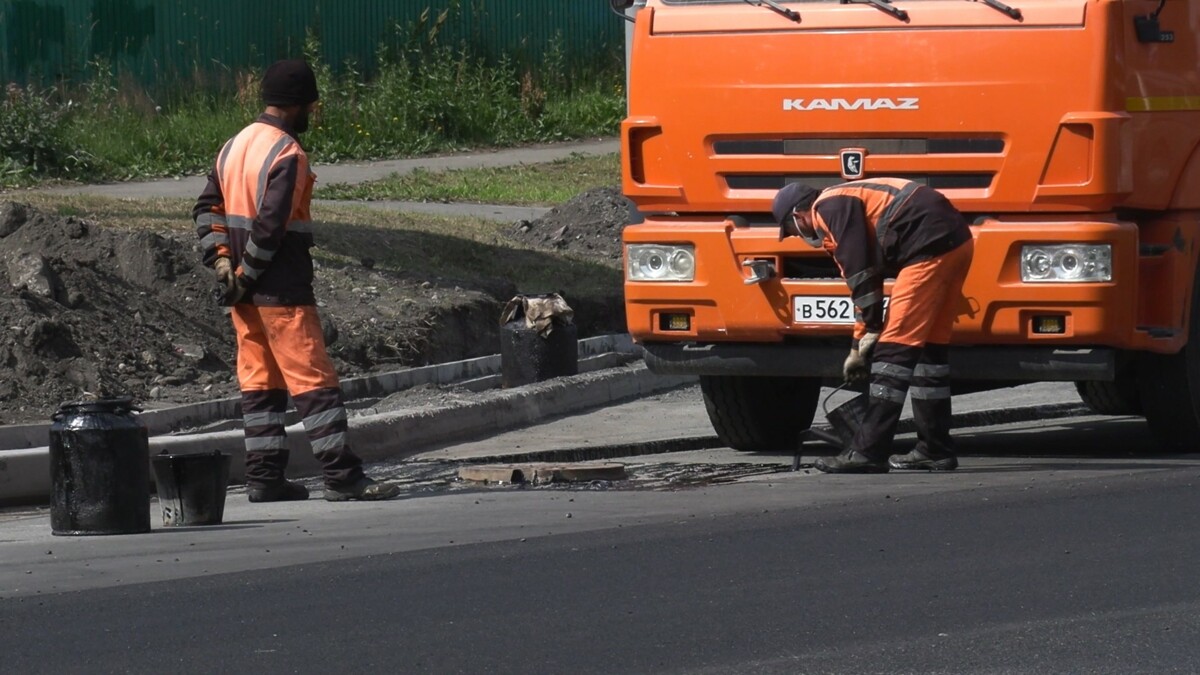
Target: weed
423	96
32	139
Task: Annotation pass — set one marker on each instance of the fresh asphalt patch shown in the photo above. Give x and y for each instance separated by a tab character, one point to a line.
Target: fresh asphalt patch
421	478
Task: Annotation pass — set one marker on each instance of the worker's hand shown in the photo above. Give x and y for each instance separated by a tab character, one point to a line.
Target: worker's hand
235	292
855	368
866	345
224	272
232	288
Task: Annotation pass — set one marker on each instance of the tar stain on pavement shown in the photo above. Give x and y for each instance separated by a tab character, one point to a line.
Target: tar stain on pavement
422	479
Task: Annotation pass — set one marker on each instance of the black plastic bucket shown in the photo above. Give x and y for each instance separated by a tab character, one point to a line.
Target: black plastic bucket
191	488
847	418
99	469
527	357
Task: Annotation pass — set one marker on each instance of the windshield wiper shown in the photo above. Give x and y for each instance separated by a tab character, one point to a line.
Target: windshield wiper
885	5
1013	12
771	4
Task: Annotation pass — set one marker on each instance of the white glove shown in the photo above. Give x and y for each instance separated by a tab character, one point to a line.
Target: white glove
855	367
224	273
866	345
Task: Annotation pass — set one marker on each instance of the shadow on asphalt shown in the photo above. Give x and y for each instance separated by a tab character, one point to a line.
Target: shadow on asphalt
1077	442
1090	437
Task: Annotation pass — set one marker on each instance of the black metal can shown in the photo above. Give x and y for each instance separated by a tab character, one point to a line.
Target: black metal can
99	469
527	357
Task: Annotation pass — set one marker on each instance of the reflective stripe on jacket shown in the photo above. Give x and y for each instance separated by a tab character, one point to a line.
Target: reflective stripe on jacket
255	210
875	227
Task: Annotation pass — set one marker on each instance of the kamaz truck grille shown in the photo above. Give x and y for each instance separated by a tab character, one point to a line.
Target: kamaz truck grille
944	181
829	148
873	146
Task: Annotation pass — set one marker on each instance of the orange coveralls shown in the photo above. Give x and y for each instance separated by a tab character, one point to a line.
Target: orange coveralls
255	211
881	226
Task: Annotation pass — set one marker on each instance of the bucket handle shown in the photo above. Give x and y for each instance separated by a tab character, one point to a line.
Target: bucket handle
825	403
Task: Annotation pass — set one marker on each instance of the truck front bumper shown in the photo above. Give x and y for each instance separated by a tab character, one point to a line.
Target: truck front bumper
998	309
824	360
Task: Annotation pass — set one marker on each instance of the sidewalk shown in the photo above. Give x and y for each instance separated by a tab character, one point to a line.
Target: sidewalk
353	174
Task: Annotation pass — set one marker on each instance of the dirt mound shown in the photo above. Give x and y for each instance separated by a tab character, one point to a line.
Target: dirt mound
93	309
96	310
590	224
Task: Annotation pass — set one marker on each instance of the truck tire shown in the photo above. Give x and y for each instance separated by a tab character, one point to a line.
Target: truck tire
1169	389
760	414
1111	398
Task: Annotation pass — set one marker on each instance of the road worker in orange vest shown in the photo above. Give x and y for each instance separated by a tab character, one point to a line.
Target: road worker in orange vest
255	229
874	229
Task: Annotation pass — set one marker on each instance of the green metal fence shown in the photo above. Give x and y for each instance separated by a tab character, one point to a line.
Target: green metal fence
159	41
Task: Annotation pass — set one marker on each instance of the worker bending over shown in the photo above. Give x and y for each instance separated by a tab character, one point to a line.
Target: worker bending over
877	228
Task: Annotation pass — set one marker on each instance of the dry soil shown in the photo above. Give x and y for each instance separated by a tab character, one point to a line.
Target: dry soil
91	309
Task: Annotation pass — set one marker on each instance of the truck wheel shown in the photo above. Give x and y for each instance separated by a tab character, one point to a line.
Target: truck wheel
1111	398
760	414
1169	389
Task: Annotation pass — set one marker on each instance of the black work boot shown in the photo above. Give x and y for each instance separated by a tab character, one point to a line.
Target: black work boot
850	462
281	491
917	460
365	489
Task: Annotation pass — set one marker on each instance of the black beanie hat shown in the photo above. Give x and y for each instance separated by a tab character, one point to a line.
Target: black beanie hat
289	82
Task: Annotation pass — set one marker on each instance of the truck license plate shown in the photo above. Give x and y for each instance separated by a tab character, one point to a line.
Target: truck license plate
826	309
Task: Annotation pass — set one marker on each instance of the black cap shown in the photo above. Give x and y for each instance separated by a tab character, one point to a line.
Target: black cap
289	82
791	197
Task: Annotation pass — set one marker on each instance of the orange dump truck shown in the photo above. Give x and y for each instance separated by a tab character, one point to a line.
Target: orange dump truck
1066	130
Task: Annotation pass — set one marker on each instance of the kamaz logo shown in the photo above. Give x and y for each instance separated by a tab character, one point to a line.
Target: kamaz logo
847	104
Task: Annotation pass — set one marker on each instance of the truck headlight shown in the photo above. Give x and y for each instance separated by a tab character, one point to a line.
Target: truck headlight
1066	263
660	262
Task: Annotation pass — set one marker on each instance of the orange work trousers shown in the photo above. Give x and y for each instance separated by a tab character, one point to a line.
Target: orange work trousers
281	348
927	298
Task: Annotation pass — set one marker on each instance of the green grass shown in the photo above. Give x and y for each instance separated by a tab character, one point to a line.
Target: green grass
429	99
524	185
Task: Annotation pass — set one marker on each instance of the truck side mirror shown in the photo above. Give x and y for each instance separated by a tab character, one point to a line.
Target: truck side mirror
1148	29
618	7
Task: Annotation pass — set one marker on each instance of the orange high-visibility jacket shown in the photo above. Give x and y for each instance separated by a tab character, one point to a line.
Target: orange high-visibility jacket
874	227
255	210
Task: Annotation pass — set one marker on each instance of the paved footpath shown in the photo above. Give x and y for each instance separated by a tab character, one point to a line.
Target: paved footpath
353	174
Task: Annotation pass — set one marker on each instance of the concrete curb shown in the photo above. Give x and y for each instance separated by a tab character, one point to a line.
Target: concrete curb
25	474
175	418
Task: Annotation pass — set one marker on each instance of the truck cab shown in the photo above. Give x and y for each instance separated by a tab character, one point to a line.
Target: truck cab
1066	131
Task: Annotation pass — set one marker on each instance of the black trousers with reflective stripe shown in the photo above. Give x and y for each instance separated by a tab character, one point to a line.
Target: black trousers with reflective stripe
266	441
324	417
897	370
931	401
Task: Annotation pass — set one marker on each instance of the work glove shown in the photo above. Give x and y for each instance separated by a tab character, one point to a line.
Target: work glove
225	276
866	345
855	367
236	292
229	284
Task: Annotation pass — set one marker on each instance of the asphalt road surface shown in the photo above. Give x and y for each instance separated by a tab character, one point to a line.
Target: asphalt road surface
1062	546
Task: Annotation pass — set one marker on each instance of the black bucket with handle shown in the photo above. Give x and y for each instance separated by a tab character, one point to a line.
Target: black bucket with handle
847	417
